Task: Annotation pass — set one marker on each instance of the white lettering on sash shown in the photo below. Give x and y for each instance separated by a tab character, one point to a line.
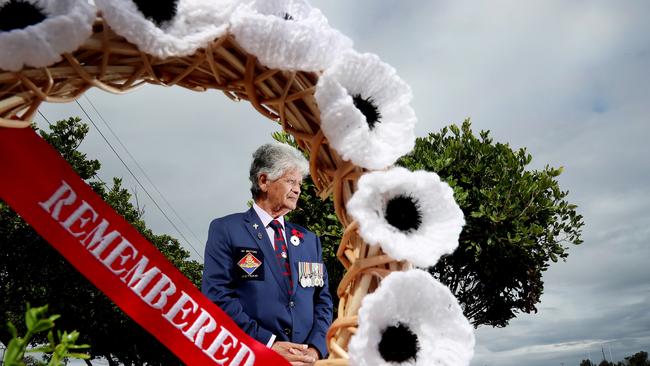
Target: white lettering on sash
57	200
139	279
244	351
78	215
139	276
118	252
96	241
224	340
165	288
199	328
179	306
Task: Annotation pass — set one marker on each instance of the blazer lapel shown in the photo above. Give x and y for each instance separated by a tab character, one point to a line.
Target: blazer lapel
265	245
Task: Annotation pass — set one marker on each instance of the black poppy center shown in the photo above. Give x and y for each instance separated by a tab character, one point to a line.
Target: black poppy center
398	344
403	212
287	16
159	11
17	14
368	108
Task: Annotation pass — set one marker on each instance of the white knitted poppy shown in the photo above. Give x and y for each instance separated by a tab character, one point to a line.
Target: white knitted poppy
67	24
412	215
192	25
365	110
411	320
287	35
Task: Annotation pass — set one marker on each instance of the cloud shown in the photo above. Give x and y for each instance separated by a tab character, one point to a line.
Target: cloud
567	80
563	338
195	147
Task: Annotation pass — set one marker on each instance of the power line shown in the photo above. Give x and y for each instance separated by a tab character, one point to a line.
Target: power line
45	118
50	124
144	173
137	180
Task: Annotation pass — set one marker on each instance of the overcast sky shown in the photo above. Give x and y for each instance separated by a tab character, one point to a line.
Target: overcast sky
569	80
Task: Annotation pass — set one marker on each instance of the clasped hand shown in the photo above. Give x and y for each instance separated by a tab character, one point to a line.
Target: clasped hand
296	354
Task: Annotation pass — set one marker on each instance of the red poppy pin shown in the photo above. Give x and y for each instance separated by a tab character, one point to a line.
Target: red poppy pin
296	237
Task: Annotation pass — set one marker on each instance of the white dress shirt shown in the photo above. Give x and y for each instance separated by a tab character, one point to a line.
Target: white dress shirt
266	220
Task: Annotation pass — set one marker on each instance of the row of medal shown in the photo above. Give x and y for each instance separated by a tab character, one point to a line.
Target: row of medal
311	274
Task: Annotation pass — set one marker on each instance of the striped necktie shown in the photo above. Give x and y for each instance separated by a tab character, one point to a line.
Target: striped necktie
281	252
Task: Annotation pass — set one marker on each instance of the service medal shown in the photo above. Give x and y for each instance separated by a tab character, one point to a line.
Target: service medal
302	274
319	275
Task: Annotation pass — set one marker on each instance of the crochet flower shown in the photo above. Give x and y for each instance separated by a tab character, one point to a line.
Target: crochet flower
37	32
287	35
411	319
365	110
412	215
167	28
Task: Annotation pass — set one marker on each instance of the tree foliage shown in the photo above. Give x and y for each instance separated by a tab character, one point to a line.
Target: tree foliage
638	359
32	271
517	222
57	349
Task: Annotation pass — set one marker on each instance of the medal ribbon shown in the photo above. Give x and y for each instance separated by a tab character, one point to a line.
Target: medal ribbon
44	190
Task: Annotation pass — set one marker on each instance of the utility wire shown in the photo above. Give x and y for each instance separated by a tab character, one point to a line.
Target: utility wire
138	181
45	118
144	173
49	123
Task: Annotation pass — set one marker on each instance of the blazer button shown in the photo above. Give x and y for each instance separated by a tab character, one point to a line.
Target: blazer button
291	304
287	331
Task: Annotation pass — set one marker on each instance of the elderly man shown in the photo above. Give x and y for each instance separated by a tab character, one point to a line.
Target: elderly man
266	273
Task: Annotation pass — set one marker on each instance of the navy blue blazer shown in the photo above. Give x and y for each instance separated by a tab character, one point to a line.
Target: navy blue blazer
259	301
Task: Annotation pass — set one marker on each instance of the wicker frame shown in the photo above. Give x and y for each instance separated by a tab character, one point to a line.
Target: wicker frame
109	62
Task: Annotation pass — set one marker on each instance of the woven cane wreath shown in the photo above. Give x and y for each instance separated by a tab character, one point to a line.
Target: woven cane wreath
349	111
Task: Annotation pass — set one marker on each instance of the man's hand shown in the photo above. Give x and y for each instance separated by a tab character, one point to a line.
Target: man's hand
296	354
311	351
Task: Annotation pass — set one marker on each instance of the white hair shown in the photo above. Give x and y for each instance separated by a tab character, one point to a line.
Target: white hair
275	159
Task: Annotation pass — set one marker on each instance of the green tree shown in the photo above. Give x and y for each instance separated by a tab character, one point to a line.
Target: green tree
638	359
32	271
517	222
586	363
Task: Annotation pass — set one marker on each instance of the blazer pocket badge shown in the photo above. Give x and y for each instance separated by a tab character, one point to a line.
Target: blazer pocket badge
311	274
250	264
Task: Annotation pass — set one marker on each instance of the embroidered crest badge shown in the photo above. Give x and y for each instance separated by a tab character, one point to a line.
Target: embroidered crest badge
249	263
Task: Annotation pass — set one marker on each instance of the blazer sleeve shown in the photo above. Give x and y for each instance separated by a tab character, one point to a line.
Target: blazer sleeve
218	283
322	311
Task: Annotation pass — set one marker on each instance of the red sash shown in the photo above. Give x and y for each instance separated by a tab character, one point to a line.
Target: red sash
44	190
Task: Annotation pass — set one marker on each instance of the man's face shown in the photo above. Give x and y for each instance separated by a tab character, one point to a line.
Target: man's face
282	194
